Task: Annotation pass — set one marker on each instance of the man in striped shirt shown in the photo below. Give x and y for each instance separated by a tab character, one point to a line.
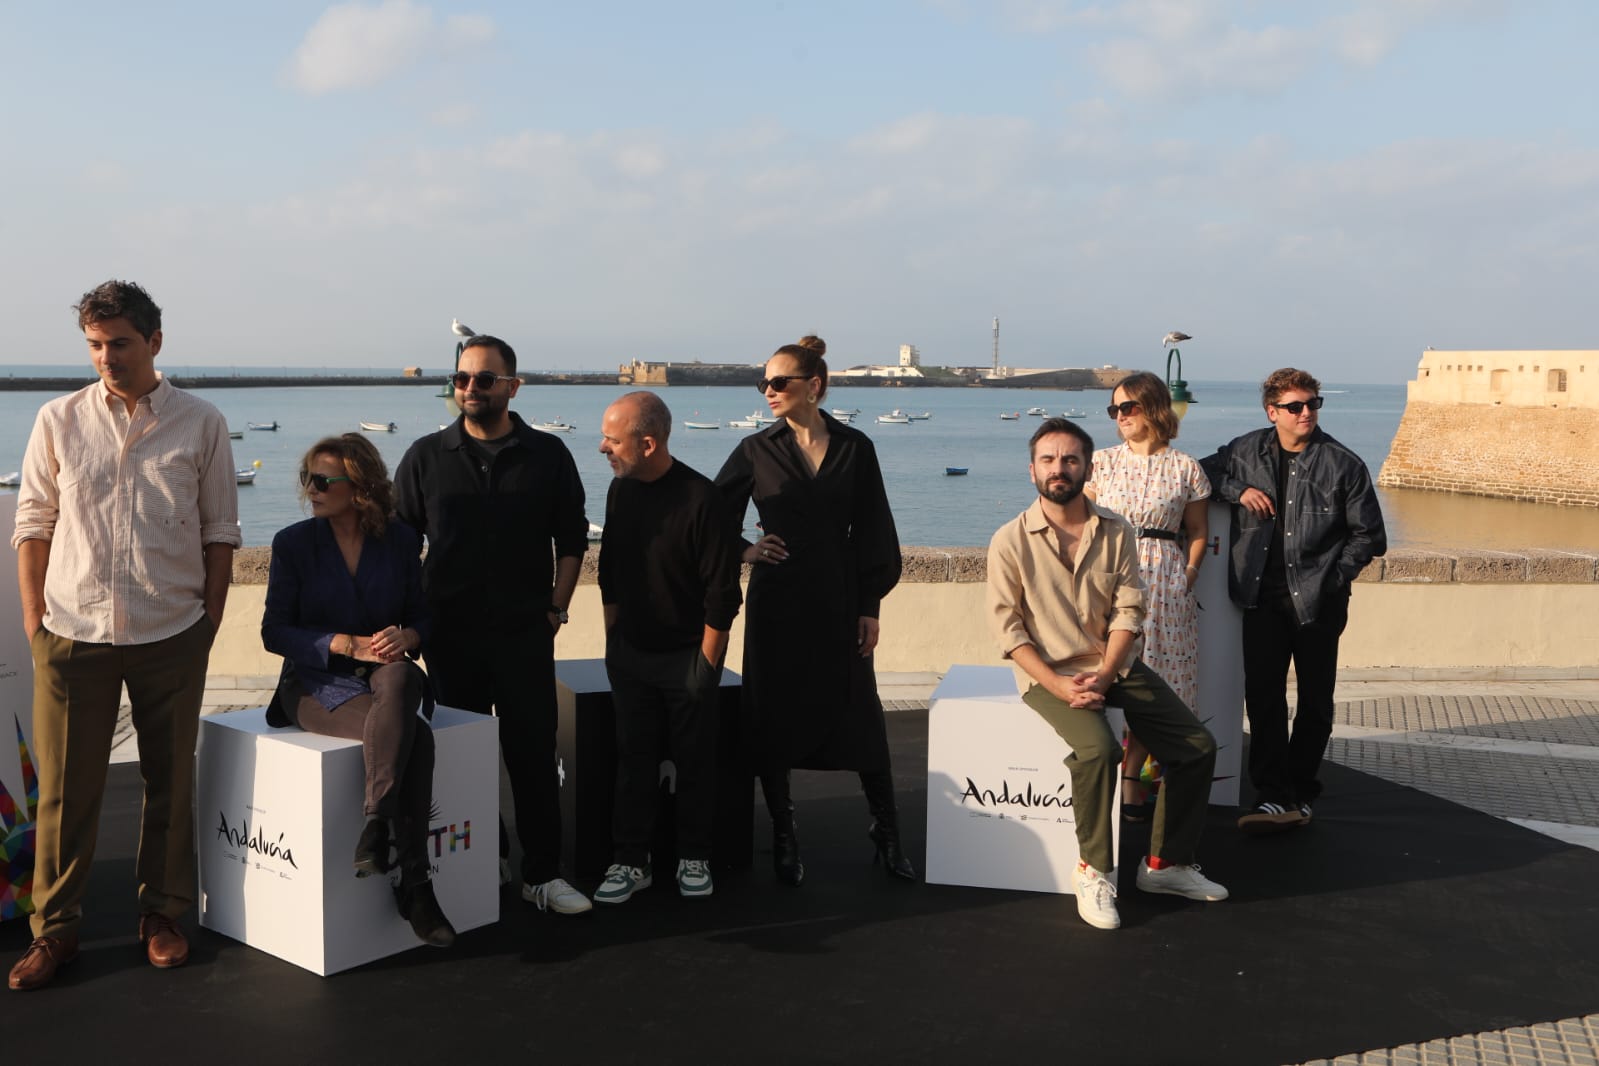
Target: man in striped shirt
127	519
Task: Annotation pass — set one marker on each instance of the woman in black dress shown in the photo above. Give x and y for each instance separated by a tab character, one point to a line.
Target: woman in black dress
828	556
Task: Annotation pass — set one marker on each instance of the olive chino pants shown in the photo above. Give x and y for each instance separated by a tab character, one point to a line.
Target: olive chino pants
1185	748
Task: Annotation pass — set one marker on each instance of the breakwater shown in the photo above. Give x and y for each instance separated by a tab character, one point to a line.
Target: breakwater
300	381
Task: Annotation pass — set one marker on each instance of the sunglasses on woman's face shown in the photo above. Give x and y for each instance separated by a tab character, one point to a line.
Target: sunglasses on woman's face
781	382
1314	403
1126	407
319	482
484	379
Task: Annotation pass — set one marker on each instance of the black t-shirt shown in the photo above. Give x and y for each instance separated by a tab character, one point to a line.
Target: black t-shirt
669	559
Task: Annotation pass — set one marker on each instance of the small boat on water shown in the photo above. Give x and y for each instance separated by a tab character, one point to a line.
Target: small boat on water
843	415
12	480
1010	416
923	417
245	475
1037	411
743	423
557	426
272	425
235	434
596	531
702	425
845	420
955	471
765	418
1074	414
379	427
896	417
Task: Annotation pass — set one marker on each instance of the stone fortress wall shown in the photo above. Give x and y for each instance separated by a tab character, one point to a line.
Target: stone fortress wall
1518	425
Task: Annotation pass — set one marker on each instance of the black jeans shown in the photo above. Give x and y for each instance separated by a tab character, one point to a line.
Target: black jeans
1283	770
510	675
665	704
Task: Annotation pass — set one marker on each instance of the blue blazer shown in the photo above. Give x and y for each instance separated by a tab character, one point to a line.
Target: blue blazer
311	596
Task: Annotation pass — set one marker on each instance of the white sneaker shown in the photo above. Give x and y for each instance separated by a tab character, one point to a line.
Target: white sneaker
558	896
621	882
1184	881
693	877
1096	899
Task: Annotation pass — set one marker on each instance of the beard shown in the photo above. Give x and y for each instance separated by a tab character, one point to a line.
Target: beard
1062	490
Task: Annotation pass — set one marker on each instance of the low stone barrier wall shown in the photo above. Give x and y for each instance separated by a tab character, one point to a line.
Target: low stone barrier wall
1415	615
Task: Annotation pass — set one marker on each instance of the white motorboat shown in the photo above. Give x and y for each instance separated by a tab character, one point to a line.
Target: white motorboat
923	417
702	425
1010	416
379	427
555	426
896	417
843	415
245	476
12	480
764	418
272	426
1038	412
743	423
596	531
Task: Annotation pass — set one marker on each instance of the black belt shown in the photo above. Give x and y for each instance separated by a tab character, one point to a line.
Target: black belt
1155	534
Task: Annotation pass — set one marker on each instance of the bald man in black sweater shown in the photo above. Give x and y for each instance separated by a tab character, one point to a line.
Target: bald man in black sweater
669	583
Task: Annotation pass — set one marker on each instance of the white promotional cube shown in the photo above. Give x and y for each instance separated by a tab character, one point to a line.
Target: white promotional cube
999	812
278	813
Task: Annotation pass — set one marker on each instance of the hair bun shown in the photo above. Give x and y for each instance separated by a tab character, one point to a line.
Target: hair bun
815	343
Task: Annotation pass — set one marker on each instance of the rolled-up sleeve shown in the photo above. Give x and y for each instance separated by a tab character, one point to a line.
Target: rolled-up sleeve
1005	594
39	496
219	487
1128	603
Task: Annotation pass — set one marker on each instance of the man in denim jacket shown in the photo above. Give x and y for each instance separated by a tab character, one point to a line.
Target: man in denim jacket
1305	522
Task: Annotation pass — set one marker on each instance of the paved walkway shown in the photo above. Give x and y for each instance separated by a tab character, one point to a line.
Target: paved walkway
1527	751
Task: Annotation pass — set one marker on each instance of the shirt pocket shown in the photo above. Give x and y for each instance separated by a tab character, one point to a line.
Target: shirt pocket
167	491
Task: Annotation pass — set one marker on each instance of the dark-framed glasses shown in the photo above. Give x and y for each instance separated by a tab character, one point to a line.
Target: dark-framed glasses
781	382
483	379
1314	403
1126	407
319	482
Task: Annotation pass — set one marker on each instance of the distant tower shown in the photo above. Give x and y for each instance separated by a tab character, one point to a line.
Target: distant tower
909	356
996	344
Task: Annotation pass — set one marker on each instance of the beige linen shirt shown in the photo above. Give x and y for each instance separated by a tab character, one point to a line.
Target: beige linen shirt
128	502
1066	614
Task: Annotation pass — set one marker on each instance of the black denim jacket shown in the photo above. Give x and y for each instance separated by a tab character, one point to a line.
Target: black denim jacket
1332	523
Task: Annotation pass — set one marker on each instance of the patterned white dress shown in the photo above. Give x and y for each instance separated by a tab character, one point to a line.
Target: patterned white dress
1151	491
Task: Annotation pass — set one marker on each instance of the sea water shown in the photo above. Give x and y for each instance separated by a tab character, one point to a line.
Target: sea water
930	507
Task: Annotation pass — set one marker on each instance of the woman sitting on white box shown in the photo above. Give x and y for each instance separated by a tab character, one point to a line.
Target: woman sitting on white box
344	608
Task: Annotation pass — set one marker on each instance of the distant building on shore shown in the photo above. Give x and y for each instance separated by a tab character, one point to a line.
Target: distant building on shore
909	371
1517	425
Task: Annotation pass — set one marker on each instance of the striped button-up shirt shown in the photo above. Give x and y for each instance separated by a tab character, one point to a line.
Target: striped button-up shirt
1066	614
128	502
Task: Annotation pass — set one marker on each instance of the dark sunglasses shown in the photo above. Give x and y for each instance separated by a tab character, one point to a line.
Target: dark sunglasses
320	482
484	379
781	382
1314	403
1126	407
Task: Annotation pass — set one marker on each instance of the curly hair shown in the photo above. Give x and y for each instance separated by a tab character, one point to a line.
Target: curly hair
369	478
1286	380
119	299
1154	397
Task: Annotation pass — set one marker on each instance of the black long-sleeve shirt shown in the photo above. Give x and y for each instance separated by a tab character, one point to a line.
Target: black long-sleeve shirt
490	524
669	559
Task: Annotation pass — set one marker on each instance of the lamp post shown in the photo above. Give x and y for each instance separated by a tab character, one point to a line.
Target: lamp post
1180	396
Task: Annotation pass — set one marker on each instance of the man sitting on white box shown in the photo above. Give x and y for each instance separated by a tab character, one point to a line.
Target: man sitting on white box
669	583
1067	606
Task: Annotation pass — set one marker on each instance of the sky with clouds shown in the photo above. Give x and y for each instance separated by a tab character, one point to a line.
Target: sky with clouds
1329	183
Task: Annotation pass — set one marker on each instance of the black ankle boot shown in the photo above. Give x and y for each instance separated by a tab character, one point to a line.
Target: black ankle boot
372	849
419	906
785	849
884	833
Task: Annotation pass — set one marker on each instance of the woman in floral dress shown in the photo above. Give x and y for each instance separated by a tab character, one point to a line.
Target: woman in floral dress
1162	492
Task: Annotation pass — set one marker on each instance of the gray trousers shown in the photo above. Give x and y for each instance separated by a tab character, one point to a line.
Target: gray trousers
1184	747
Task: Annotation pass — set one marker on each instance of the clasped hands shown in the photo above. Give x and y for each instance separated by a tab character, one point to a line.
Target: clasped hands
385	646
1085	690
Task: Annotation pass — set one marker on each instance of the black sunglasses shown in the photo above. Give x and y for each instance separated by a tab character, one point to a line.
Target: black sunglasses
320	482
781	382
484	379
1126	407
1314	403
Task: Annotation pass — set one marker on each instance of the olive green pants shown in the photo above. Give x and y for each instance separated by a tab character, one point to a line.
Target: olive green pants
1156	716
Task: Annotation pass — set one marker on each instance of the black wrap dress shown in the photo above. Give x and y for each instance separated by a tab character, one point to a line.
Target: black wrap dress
810	696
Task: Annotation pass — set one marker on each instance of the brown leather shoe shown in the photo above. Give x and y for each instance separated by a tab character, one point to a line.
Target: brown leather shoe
164	942
39	963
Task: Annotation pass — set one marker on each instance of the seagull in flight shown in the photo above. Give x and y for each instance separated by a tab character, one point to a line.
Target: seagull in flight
1174	337
463	331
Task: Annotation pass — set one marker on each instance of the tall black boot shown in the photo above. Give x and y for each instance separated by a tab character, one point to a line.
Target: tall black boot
414	894
884	833
785	840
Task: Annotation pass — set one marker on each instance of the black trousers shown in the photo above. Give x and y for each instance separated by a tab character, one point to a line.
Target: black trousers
666	705
1282	768
512	676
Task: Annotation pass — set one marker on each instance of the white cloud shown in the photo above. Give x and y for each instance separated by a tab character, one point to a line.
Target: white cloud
357	46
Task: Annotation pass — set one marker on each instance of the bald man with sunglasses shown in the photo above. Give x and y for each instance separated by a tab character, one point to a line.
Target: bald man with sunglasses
1305	522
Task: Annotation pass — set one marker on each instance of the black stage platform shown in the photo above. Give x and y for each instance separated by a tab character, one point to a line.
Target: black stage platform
1394	918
